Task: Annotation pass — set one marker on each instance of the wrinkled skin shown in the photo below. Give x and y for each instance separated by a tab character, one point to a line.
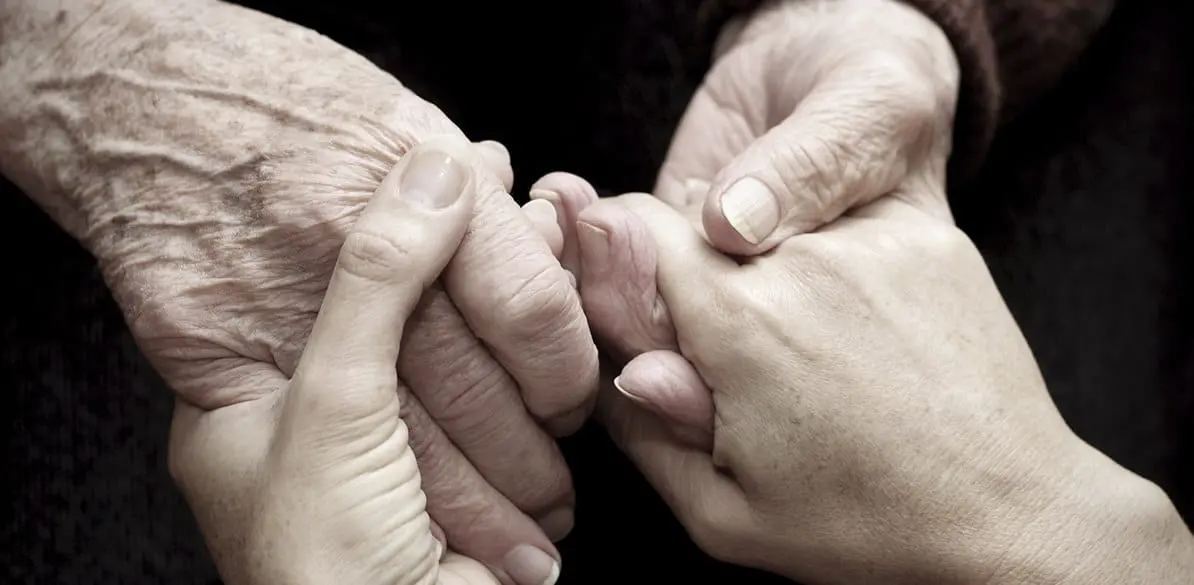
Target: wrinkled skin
338	496
824	105
215	190
829	104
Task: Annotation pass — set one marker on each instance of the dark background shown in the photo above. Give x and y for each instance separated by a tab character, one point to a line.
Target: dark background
1083	213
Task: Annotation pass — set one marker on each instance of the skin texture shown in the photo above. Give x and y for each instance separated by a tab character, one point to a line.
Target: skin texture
829	104
822	106
873	366
337	495
215	190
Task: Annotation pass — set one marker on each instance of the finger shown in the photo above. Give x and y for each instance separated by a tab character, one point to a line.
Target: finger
518	299
406	234
477	521
708	504
542	215
477	405
691	276
712	131
851	140
617	281
437	532
664	383
461	570
569	195
496	158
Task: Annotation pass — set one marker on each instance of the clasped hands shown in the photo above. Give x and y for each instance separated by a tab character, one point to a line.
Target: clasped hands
820	377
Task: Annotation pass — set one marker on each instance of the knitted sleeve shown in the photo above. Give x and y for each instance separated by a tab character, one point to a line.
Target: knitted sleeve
1010	52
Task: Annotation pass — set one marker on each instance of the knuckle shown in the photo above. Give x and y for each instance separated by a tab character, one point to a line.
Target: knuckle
816	167
372	257
468	401
539	304
480	411
911	97
536	490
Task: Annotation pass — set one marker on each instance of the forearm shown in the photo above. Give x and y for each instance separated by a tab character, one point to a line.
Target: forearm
104	103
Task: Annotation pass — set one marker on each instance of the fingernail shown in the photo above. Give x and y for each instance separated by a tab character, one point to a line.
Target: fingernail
594	245
433	179
620	388
751	209
557	523
530	566
545	194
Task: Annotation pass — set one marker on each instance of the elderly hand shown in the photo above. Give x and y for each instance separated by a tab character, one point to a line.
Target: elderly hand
876	415
814	107
214	159
328	489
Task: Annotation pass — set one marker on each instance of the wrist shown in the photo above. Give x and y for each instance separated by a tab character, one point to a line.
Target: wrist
1102	524
36	36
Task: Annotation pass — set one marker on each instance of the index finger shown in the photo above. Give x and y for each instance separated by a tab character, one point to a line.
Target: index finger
397	248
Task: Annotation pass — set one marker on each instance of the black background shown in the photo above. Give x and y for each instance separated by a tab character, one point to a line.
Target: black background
1083	213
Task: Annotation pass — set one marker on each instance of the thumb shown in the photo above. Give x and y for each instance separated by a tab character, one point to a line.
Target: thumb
841	147
342	457
403	239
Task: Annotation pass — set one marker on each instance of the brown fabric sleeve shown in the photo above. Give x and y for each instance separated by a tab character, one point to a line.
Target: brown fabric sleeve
1010	52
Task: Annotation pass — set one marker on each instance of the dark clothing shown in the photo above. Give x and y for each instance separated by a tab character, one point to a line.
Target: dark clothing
1083	210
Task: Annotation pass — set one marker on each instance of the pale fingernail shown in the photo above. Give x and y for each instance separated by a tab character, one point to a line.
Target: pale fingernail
433	179
528	565
594	245
622	389
751	209
541	208
545	194
557	523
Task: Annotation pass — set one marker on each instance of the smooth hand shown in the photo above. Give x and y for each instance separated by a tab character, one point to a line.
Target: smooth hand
875	415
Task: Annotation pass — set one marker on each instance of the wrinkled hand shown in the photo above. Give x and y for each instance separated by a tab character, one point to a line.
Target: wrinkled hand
222	250
876	415
329	481
811	108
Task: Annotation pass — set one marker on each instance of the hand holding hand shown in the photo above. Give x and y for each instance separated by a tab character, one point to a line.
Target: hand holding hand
325	487
875	415
213	159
